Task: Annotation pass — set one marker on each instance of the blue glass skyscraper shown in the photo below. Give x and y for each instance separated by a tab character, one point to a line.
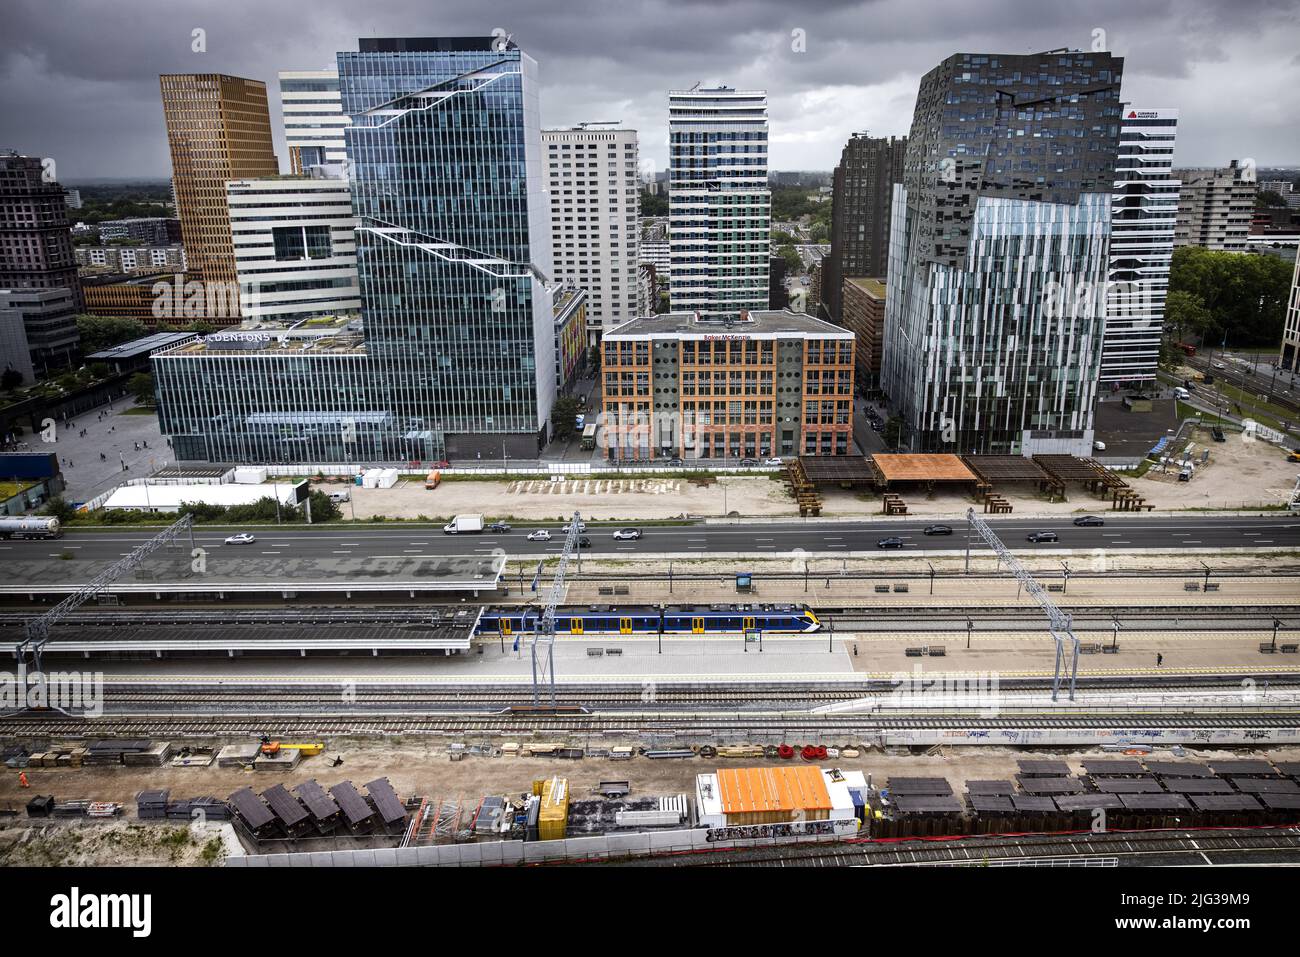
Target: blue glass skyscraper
453	246
453	240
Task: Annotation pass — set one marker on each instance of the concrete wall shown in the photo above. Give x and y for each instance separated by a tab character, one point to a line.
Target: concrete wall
515	853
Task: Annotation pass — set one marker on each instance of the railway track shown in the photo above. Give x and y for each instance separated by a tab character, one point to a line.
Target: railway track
805	694
707	728
1236	845
1083	615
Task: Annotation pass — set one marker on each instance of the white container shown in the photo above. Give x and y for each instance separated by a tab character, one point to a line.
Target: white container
371	479
250	475
387	478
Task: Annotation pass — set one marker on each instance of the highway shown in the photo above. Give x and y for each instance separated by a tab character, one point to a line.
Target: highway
755	539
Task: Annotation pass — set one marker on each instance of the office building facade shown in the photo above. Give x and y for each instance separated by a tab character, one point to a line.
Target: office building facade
1143	212
153	230
863	314
1215	207
295	247
591	173
999	235
1289	359
218	129
35	232
129	259
768	383
456	354
719	203
49	319
312	110
862	197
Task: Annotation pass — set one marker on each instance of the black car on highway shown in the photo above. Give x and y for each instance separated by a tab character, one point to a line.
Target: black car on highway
584	542
892	542
1088	521
938	529
1037	537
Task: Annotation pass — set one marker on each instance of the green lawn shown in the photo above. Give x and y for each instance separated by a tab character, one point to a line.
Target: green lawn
9	489
140	410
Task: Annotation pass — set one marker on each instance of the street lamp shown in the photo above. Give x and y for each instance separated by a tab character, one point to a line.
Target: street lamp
1207	576
931	578
1066	577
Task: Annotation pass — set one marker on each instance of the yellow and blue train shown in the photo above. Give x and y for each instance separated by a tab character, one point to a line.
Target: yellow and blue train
652	620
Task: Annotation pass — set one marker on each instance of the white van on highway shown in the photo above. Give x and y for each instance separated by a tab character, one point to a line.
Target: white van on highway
1181	393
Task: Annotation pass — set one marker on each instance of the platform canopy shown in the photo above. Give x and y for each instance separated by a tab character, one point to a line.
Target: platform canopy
1005	468
839	470
907	467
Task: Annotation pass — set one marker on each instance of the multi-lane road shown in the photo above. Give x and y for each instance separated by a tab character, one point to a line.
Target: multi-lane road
406	542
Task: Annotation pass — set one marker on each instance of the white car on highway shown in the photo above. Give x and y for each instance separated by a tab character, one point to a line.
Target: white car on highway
243	538
541	535
776	462
627	534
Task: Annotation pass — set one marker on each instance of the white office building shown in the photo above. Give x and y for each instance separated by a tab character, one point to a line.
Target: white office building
1144	209
295	247
719	204
594	188
314	120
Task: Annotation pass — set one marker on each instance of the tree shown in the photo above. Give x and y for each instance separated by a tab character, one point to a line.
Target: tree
141	386
100	370
1244	293
60	508
893	433
1268	197
793	264
564	416
102	332
10	379
653	204
323	509
1186	314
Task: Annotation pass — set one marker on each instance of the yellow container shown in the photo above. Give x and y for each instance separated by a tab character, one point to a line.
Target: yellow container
553	816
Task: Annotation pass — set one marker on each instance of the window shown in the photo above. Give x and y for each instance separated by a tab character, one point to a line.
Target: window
301	242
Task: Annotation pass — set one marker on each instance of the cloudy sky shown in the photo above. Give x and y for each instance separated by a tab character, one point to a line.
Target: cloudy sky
79	78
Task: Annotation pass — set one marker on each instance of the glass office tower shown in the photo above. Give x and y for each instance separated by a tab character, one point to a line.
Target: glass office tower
456	355
453	241
999	239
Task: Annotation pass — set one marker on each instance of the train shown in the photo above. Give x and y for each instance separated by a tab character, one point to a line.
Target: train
30	527
606	620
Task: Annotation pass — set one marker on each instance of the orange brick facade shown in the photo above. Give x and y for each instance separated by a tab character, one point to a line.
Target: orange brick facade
728	396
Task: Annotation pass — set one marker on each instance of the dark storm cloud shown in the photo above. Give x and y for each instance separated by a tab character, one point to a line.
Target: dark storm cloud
79	79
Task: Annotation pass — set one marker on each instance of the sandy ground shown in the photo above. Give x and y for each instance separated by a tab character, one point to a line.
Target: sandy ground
600	499
1238	474
422	768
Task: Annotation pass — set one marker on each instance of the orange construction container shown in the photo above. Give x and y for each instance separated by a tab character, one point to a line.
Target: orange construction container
773	795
